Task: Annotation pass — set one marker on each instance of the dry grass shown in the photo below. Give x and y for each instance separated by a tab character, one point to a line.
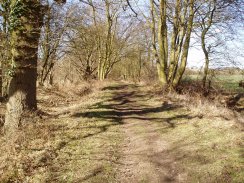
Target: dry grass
201	106
193	97
77	139
46	149
206	139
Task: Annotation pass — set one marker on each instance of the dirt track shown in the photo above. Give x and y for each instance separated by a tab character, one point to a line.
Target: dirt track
125	133
141	154
144	156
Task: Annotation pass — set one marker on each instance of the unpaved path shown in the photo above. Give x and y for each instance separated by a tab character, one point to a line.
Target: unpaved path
125	133
116	137
161	140
144	155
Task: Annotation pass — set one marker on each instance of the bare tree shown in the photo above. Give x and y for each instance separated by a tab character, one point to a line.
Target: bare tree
214	26
171	56
55	23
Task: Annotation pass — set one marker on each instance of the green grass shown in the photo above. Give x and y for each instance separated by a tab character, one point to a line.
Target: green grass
229	83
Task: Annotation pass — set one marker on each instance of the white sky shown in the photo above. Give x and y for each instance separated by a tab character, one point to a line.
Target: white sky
235	51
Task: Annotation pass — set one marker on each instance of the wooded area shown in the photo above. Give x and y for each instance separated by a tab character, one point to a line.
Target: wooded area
125	66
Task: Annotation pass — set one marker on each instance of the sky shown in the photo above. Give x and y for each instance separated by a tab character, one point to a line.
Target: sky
235	49
196	56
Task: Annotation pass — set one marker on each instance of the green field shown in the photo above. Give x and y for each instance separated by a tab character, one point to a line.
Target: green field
229	83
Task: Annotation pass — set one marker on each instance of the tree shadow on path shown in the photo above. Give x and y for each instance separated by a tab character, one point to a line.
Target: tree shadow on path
126	103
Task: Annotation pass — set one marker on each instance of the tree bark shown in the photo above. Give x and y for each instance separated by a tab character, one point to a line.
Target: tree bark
163	44
186	45
205	28
26	17
206	54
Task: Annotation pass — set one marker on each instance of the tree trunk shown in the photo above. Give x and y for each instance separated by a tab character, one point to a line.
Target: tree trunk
159	62
186	45
1	82
205	28
206	66
26	19
5	49
162	44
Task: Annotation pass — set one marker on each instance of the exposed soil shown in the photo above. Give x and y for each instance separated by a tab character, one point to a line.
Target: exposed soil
144	156
125	133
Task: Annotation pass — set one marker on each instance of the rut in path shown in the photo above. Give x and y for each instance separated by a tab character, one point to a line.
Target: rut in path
144	156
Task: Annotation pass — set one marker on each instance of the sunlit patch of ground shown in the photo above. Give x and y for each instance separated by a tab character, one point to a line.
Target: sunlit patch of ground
124	133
